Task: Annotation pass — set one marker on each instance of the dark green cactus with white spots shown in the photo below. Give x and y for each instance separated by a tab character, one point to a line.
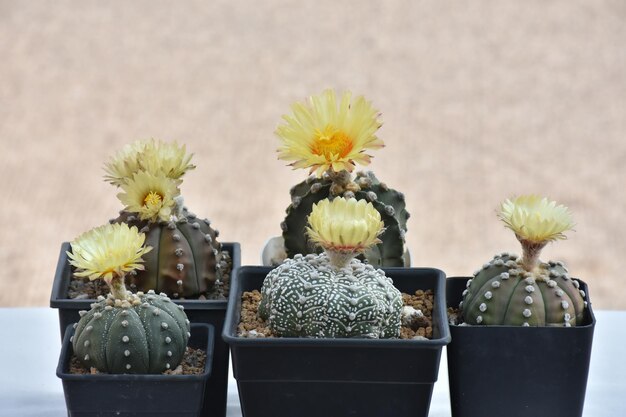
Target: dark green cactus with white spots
502	292
387	201
187	260
147	333
307	297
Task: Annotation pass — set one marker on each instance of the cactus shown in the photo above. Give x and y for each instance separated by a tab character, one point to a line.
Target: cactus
387	201
523	291
330	135
332	294
187	259
146	333
124	332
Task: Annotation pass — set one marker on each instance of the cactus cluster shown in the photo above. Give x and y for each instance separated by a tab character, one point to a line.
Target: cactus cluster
146	333
187	259
307	297
387	201
523	291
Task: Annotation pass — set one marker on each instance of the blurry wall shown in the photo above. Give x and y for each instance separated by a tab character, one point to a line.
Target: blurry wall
481	100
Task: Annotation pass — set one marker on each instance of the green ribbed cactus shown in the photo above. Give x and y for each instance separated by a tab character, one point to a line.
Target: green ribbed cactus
523	291
187	259
387	201
330	134
124	332
307	297
332	294
145	333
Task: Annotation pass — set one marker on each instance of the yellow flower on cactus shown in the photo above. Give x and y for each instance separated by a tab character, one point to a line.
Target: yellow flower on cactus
150	196
155	157
108	251
324	133
167	158
345	225
536	219
125	163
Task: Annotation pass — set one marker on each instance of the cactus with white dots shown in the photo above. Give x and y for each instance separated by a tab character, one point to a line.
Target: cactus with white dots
503	292
523	291
145	333
387	201
187	259
307	297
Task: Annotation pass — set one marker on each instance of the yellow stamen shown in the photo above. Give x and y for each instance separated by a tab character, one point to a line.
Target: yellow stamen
152	199
331	142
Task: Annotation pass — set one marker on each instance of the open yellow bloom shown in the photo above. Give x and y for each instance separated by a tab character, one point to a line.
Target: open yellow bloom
108	251
345	224
536	219
155	157
324	134
150	196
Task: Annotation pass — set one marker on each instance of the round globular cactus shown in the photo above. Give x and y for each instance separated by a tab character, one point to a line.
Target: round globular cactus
387	201
330	135
124	332
187	259
145	333
332	294
523	291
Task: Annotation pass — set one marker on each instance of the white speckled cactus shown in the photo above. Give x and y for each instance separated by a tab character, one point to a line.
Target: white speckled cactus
523	291
333	294
124	332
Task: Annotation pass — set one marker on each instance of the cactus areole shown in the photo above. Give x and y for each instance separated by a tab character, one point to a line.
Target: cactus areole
523	291
332	294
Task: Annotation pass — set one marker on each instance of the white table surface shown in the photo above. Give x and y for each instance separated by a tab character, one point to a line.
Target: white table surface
30	347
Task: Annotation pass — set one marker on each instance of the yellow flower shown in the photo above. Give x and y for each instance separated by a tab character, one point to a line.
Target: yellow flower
345	225
105	251
150	196
155	157
125	163
536	219
324	134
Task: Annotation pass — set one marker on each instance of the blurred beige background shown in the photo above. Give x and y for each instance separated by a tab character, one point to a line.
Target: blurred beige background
481	100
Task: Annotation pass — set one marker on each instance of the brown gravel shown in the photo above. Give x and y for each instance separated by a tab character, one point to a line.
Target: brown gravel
192	364
251	325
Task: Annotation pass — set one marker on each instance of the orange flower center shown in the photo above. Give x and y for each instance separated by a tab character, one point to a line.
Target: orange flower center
331	142
152	199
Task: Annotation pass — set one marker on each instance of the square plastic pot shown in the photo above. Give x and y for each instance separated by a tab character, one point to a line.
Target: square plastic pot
210	312
136	395
517	371
286	377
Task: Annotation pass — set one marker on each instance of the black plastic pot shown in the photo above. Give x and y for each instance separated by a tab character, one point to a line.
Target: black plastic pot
517	371
136	395
337	377
199	311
